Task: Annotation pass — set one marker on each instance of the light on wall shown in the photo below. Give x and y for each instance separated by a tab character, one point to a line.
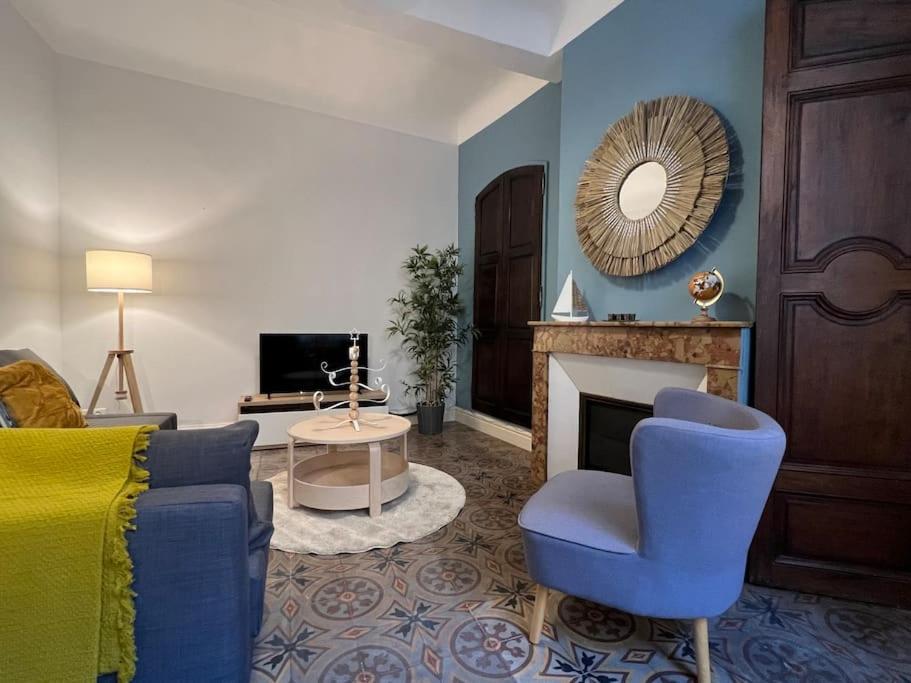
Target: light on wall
119	272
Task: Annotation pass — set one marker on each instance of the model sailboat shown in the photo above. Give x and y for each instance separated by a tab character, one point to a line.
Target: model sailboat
570	304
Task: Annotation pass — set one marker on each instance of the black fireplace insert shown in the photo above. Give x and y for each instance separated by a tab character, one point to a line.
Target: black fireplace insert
605	428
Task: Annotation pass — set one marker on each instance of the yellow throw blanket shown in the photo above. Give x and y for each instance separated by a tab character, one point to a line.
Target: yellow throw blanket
67	498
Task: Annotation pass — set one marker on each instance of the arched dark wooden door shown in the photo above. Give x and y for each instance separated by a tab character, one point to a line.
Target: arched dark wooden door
509	216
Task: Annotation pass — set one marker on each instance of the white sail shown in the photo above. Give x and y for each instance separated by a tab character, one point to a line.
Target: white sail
570	306
565	300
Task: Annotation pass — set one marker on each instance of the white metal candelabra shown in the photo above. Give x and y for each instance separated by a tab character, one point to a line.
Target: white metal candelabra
354	387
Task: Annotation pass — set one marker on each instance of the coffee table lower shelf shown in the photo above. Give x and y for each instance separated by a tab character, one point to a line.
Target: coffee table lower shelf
340	480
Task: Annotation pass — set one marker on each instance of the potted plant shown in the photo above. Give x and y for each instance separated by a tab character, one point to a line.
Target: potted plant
427	320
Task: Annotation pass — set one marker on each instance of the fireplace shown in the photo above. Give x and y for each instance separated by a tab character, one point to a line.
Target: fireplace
629	360
605	428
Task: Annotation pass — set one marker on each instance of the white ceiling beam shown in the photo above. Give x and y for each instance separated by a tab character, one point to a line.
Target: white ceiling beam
381	16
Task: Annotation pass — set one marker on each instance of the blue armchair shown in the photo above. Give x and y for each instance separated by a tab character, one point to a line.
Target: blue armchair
671	541
200	553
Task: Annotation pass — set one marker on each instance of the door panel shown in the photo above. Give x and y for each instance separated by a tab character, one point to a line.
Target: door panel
509	234
485	314
833	314
846	385
518	378
886	548
847	134
525	218
490	215
521	300
486	385
842	30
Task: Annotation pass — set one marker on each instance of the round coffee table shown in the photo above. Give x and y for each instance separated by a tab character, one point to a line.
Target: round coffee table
348	479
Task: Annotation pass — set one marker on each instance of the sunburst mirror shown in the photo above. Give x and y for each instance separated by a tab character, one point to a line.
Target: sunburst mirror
651	186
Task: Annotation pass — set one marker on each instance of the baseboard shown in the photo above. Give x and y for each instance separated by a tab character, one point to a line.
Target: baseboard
512	434
213	425
448	415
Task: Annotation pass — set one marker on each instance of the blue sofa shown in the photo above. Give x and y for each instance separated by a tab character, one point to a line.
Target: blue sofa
200	554
160	420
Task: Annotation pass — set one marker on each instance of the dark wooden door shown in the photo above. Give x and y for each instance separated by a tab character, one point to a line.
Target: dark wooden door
509	216
833	318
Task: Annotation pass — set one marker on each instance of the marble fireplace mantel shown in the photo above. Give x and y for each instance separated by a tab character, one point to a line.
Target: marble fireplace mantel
722	347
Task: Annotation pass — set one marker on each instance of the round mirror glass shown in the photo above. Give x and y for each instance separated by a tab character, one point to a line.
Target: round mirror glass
642	190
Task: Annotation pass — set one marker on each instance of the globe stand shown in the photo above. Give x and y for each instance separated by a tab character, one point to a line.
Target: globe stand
703	316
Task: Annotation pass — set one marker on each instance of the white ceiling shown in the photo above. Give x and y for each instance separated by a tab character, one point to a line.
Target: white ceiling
440	69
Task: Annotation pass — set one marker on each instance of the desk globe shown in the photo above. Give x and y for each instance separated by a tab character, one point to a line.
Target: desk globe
706	287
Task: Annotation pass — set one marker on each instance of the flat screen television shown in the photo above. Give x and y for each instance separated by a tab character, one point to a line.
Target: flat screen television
290	363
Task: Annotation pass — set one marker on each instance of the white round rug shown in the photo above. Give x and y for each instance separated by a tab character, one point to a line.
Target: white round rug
433	499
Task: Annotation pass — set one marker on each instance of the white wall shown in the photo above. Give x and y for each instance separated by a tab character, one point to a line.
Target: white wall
29	283
259	217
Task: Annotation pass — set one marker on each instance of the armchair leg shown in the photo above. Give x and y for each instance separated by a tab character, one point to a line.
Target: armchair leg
701	638
537	615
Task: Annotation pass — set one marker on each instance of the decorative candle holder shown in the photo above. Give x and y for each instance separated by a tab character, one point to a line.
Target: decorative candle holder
354	389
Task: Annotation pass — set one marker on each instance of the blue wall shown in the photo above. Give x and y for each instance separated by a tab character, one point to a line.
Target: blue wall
644	49
529	134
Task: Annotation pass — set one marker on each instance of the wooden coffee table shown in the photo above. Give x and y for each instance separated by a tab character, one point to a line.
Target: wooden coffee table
348	479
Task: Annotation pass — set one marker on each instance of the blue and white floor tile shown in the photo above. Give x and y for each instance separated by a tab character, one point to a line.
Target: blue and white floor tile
453	607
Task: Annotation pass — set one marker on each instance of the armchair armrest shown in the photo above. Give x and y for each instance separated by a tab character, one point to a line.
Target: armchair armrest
192	583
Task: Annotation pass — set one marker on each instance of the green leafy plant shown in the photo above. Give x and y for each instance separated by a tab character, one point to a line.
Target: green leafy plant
427	320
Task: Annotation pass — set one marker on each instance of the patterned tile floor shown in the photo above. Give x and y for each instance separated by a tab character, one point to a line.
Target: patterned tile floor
453	607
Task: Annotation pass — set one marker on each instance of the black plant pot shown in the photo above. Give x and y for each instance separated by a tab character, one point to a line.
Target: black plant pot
430	419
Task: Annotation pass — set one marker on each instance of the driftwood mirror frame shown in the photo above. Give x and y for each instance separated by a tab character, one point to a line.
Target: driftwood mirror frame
687	138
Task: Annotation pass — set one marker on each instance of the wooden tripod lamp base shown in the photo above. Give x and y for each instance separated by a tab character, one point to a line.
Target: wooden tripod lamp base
125	369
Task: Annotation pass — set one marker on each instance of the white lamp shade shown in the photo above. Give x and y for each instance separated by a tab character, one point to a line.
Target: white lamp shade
118	271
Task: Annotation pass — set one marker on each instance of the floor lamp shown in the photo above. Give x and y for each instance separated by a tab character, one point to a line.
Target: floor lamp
118	272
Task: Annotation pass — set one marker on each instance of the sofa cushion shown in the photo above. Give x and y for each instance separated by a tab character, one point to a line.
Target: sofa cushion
10	356
589	508
160	420
35	397
192	457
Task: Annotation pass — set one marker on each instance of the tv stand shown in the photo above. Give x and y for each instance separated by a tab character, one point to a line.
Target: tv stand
292	394
275	413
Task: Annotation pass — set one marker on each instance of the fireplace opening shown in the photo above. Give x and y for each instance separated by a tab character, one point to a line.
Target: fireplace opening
605	428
